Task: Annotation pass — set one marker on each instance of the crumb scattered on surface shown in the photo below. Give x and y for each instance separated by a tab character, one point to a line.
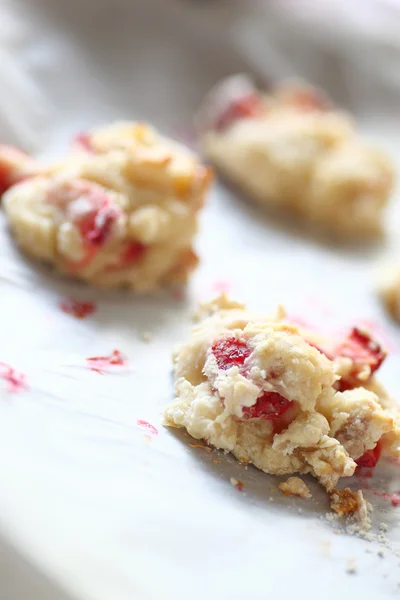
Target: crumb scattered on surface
237	483
146	336
381	553
347	503
202	446
294	486
383	527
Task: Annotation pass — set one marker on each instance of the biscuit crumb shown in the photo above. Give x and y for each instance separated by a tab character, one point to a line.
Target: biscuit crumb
381	554
383	527
344	502
294	486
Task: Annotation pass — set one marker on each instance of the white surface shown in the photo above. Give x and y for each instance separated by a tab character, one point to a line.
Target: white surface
92	503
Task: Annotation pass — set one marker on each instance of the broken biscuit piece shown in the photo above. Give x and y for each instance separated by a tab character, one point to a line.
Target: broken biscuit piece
281	397
294	486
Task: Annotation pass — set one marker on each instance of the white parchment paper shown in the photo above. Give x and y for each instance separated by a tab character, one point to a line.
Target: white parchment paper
89	498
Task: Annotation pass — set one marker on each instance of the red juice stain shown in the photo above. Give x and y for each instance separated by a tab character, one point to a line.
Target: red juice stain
76	308
100	364
16	380
147	426
394	498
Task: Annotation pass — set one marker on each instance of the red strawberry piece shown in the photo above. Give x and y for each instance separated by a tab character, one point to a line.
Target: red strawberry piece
370	458
230	352
269	406
95	227
12	161
247	107
362	349
77	309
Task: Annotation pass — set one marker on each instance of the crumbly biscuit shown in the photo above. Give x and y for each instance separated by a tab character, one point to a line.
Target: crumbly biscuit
119	210
290	149
283	398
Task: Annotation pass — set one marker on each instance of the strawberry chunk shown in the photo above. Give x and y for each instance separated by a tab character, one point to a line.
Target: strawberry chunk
76	308
95	227
16	380
247	107
306	99
362	349
269	406
132	253
230	352
96	220
12	161
370	458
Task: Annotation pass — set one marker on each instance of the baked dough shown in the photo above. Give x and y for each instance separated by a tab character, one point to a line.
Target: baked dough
290	150
283	398
119	210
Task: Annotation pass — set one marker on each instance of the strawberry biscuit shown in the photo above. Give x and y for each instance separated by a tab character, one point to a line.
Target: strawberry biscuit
282	397
290	150
120	209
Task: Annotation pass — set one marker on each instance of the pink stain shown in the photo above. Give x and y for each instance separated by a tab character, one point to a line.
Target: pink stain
394	498
221	286
16	380
147	426
82	141
76	308
100	364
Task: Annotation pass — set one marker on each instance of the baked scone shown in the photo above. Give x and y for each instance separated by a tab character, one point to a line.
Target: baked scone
119	210
290	150
283	398
389	291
